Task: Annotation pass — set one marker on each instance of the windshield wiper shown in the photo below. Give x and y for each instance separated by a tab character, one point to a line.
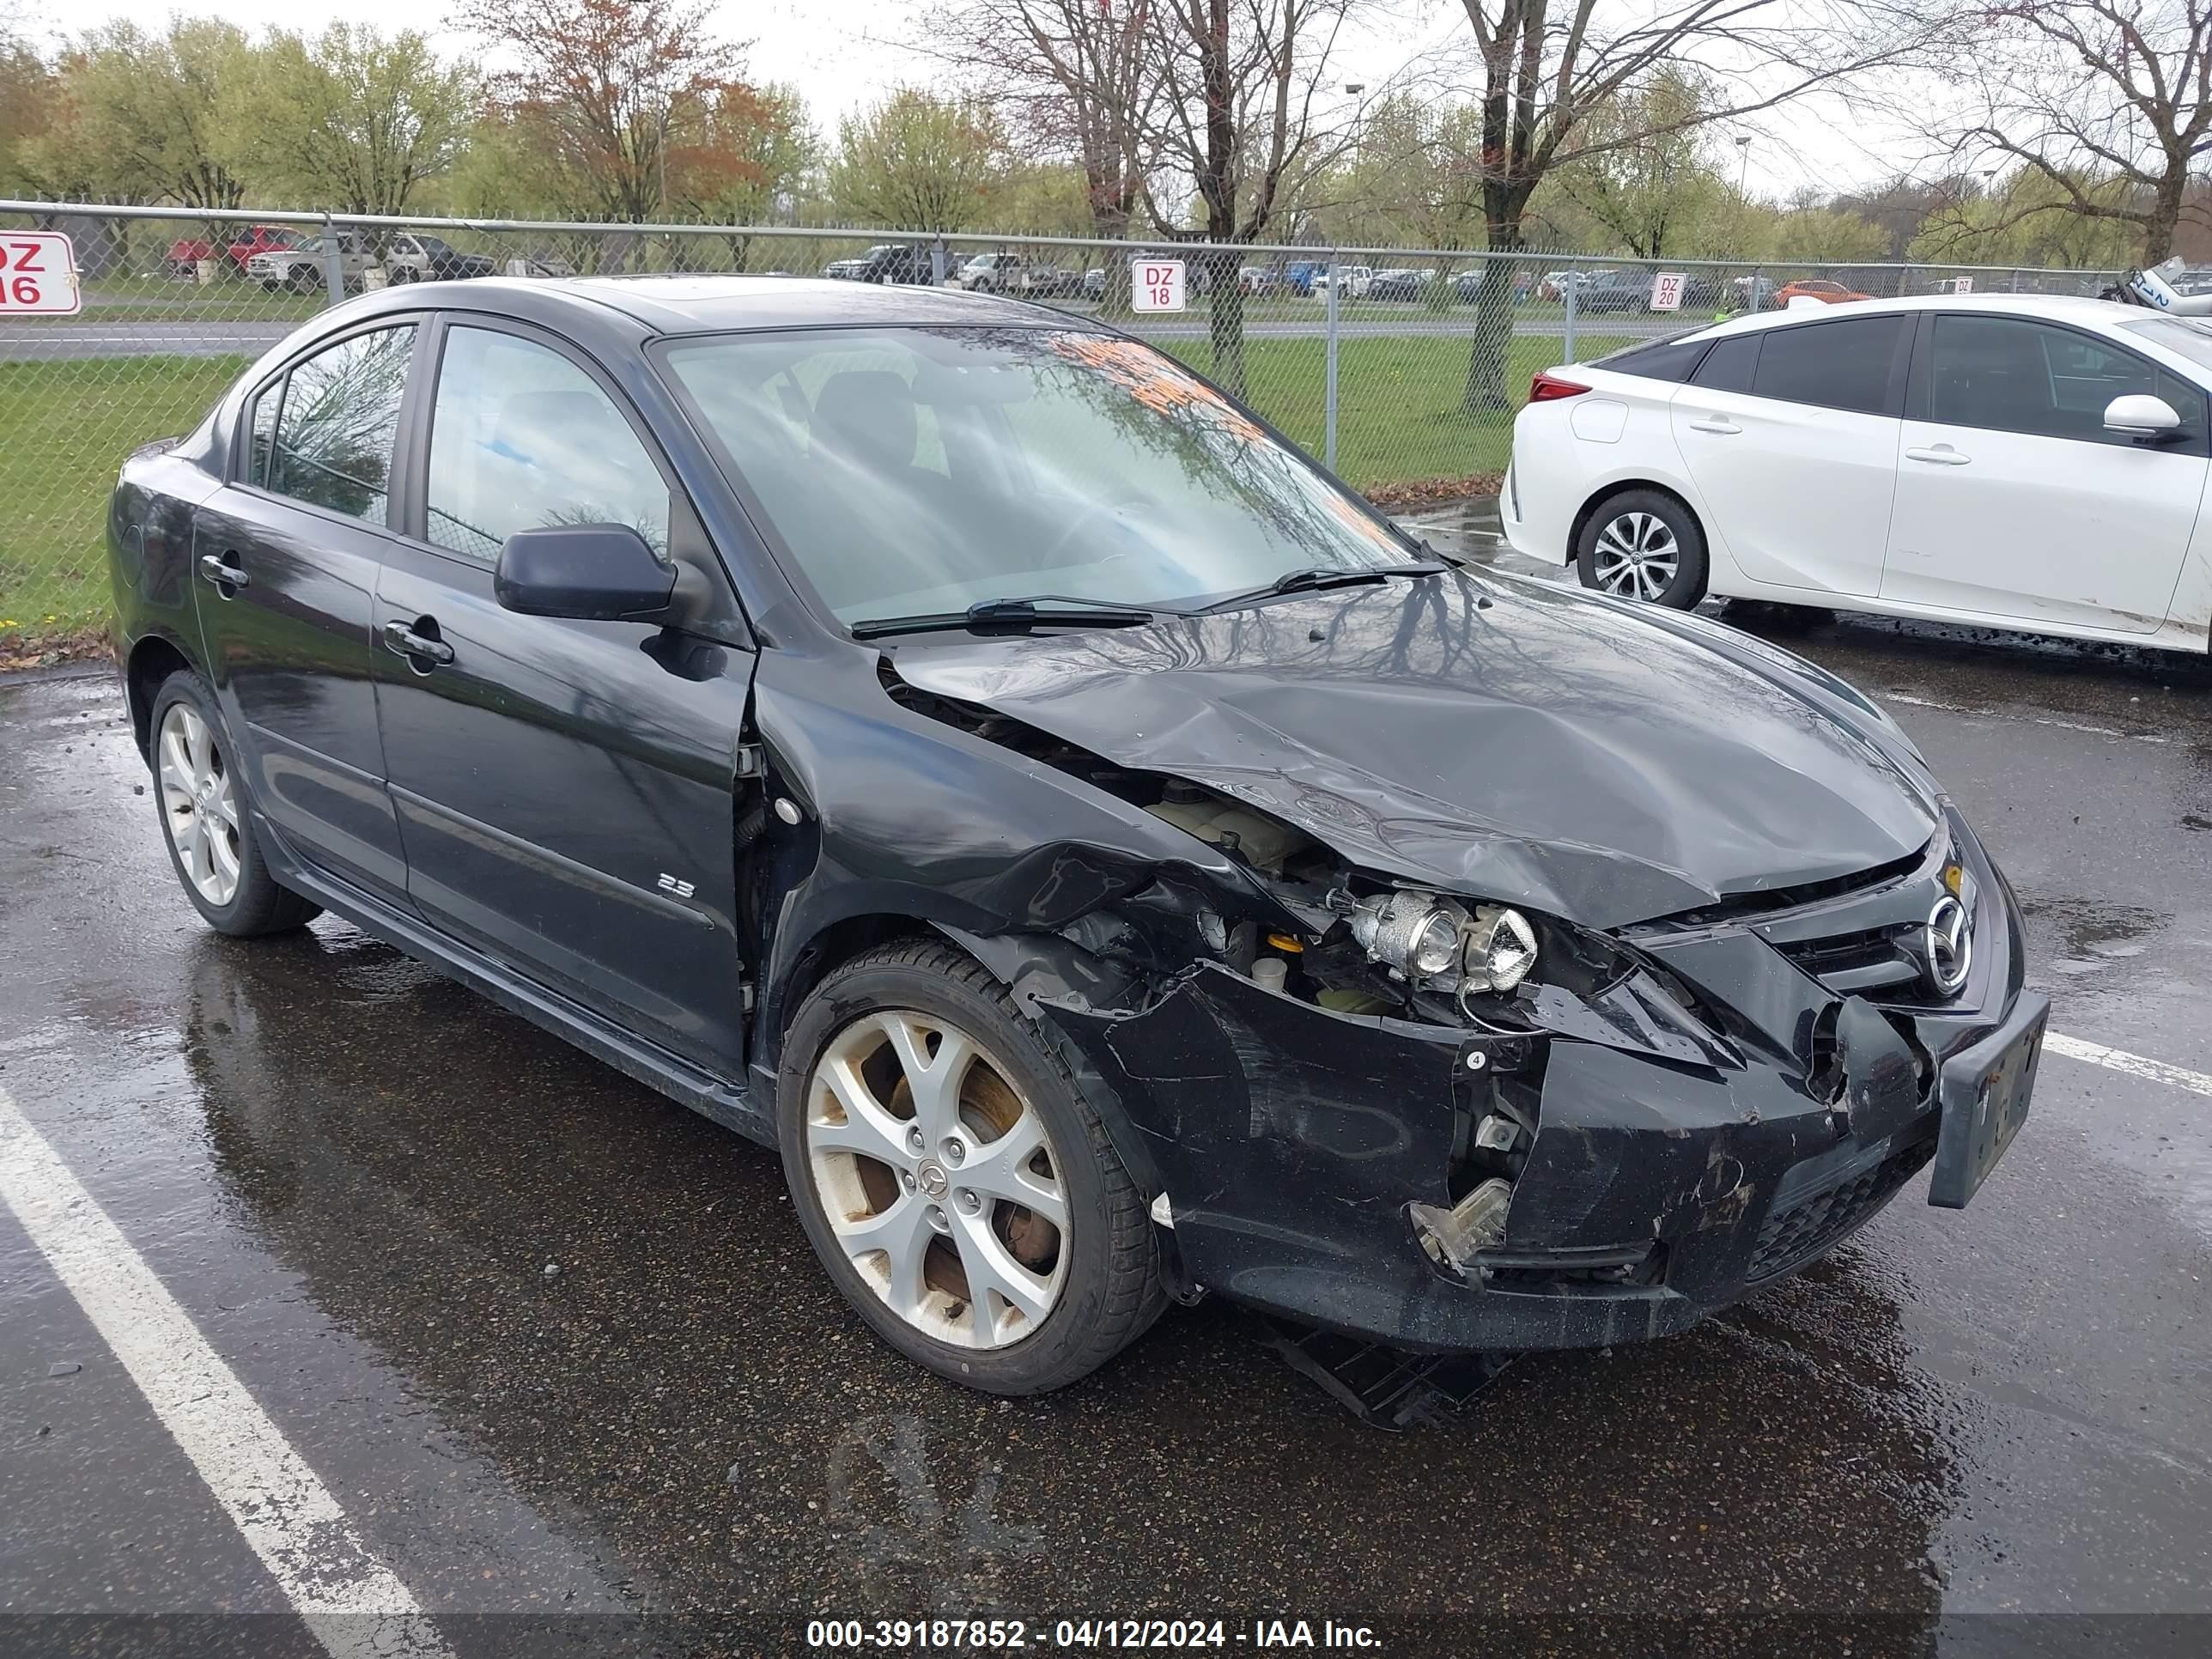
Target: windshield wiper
1020	616
1313	576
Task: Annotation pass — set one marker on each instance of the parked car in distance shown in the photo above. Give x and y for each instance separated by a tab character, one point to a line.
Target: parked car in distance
410	257
301	268
1555	285
886	262
1052	283
993	273
1094	283
1259	281
1352	281
2003	460
184	257
1298	275
948	743
1817	288
1402	284
1613	291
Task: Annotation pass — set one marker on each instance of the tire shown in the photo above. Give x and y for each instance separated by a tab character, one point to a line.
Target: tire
253	903
1641	544
1102	1271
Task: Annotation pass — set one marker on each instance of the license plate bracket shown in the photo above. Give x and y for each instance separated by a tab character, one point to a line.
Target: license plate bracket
1985	1091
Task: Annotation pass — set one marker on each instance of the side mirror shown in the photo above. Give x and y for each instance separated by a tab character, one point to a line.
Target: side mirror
585	572
2139	415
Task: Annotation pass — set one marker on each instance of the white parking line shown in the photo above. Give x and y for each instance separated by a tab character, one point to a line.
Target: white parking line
349	1599
2120	1059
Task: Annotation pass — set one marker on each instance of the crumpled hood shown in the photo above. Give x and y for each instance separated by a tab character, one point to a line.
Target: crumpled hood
1507	740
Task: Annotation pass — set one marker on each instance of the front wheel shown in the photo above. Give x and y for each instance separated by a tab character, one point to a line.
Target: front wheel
959	1189
1641	544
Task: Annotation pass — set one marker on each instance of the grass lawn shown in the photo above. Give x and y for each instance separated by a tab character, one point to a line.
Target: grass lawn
66	426
64	429
1397	414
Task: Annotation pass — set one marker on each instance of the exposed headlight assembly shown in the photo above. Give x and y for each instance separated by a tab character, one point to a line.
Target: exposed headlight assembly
1426	936
1416	932
1501	948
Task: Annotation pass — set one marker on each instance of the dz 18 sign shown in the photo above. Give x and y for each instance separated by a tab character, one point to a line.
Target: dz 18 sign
1156	285
38	274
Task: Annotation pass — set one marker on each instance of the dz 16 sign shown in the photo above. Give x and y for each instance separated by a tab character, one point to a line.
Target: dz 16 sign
1156	285
38	274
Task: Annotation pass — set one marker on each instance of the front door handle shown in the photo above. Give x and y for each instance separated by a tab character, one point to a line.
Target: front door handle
1719	424
401	638
224	571
1941	455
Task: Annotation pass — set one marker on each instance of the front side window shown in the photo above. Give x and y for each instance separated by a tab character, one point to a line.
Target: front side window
521	438
920	470
2010	374
339	423
261	432
1841	365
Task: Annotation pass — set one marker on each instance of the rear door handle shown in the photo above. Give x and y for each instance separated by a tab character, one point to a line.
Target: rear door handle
401	638
224	571
1715	423
1941	455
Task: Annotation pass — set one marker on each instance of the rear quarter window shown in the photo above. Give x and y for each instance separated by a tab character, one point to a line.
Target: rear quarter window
1664	360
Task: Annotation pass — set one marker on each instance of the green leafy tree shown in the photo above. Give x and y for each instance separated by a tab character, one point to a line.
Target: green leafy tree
139	116
1646	176
606	93
918	161
351	120
27	93
745	148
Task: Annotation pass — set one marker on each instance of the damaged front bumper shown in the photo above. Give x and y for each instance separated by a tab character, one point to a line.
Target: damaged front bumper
1312	1162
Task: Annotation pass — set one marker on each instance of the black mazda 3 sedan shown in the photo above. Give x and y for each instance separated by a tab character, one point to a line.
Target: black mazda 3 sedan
950	743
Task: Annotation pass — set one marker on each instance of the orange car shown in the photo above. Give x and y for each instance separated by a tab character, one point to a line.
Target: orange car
1828	293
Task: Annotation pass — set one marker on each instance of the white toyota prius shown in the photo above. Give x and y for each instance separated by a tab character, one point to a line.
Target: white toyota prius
2029	463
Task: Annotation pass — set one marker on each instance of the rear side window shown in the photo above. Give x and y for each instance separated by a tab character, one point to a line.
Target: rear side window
1840	365
1669	360
340	418
1728	367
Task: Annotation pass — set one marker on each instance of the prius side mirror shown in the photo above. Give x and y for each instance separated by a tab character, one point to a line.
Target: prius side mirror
584	572
2139	415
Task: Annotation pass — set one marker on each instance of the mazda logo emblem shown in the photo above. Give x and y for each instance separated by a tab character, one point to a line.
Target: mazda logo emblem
1948	950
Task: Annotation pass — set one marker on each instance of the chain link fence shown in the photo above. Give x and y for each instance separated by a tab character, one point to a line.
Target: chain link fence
1401	368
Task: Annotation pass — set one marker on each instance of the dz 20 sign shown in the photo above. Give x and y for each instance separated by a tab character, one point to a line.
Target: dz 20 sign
38	274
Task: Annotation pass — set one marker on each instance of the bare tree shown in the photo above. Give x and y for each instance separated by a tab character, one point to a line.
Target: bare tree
1243	114
2109	102
1075	78
1546	68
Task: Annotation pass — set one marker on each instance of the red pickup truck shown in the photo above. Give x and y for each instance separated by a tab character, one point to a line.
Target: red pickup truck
185	256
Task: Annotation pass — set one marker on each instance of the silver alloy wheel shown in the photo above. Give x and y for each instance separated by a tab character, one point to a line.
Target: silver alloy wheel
199	804
1636	557
939	1179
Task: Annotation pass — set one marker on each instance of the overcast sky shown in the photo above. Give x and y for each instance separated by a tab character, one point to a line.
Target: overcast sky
841	54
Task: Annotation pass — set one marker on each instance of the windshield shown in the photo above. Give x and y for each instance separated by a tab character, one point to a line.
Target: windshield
915	471
2192	338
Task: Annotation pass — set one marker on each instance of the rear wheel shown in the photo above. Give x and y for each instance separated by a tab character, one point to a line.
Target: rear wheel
958	1187
1641	544
201	794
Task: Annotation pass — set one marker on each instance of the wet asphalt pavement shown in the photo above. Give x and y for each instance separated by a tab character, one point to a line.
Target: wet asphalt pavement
558	1350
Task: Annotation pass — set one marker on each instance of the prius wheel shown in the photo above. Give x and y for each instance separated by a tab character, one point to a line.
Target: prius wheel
210	833
954	1180
1642	545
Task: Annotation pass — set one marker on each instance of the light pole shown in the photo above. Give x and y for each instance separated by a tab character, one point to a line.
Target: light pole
1743	160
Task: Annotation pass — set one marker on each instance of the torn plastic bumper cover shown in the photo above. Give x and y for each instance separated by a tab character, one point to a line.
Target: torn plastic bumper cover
1325	1166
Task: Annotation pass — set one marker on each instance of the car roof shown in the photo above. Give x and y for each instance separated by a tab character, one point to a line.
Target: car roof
710	304
2059	307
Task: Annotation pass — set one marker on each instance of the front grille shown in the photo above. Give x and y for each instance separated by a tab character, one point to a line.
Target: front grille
1872	961
1815	1223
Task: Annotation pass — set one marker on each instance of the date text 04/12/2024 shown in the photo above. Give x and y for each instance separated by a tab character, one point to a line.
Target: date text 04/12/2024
1007	1635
